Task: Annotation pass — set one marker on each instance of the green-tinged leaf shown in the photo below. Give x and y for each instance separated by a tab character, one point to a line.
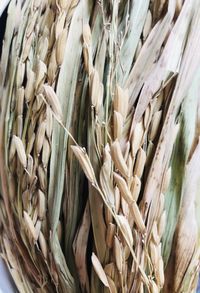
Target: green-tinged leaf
135	22
179	158
66	87
75	193
188	71
66	280
65	90
185	240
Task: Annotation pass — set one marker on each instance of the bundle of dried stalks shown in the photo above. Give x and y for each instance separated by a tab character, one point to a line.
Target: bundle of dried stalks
99	145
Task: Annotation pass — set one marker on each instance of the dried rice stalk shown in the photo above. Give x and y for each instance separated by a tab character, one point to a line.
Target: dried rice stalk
126	88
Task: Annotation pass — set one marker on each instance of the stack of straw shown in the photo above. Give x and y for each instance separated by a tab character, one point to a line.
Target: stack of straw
99	145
